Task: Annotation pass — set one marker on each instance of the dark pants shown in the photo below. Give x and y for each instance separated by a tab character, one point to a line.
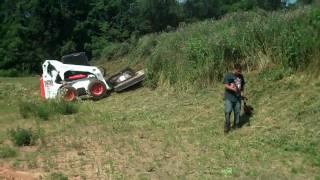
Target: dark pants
230	106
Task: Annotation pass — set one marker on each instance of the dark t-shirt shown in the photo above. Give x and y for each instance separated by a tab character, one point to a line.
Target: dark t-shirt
238	81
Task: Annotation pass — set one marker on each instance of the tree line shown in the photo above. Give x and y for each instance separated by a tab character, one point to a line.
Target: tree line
35	30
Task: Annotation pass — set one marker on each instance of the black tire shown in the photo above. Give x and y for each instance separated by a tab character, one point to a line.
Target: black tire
97	89
68	93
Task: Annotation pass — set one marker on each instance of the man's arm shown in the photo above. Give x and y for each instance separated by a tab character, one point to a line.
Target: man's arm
228	83
231	87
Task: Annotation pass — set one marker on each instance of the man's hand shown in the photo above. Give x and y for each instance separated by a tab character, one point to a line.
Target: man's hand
232	87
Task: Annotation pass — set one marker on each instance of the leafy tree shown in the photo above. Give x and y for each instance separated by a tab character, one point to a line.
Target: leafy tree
202	9
158	14
34	30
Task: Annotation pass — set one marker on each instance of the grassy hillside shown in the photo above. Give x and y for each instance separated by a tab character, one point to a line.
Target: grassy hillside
175	131
197	55
162	134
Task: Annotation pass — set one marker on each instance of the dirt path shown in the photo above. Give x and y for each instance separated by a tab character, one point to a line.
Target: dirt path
9	174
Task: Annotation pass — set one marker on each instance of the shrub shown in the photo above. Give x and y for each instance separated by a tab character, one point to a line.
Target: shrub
26	109
274	74
7	152
9	73
43	110
145	46
22	137
109	51
57	176
64	108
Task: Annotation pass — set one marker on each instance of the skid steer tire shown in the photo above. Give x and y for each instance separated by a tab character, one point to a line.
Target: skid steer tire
68	93
97	89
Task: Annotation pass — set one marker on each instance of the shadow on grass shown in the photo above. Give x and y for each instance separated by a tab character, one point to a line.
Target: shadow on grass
245	119
246	116
132	88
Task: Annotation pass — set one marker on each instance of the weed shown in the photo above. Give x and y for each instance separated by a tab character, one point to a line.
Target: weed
227	172
57	176
16	164
64	108
274	74
7	152
32	164
316	160
26	109
43	110
22	137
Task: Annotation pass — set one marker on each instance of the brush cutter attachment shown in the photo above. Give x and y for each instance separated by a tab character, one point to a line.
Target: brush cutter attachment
73	78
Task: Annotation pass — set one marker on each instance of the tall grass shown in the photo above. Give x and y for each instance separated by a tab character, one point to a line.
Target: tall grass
7	152
44	110
22	137
198	55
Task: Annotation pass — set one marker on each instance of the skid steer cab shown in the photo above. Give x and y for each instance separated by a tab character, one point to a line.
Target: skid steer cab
73	78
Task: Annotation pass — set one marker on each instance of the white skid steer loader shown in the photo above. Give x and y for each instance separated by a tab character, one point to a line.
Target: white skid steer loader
74	78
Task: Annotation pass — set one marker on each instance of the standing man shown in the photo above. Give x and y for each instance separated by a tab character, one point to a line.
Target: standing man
234	90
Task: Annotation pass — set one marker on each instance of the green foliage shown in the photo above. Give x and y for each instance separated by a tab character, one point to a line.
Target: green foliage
64	108
201	9
35	30
144	47
7	152
274	74
44	110
9	73
22	137
198	55
57	176
27	108
111	51
159	14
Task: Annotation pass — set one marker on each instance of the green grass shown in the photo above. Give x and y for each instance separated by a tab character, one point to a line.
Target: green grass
165	134
22	137
176	130
196	55
7	152
44	110
57	176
